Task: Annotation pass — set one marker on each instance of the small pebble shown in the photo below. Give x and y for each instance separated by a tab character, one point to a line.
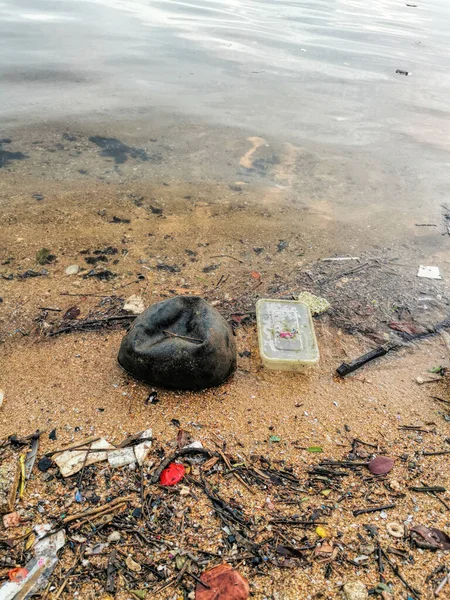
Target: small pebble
72	270
355	590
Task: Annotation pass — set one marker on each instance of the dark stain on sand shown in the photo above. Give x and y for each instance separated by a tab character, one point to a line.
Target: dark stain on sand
6	156
114	148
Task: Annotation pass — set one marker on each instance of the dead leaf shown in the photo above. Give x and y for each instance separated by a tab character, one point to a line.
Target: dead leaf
184	438
72	313
326	551
430	538
381	465
224	584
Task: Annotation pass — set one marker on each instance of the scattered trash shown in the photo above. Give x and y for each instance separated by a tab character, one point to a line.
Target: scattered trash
17	575
152	398
355	590
172	475
429	272
322	532
9	481
72	313
403	327
395	529
111	534
2	397
429	538
316	304
131	454
28	581
381	465
222	583
181	343
30	273
287	341
72	460
401	72
45	464
134	304
72	269
282	245
274	438
96	549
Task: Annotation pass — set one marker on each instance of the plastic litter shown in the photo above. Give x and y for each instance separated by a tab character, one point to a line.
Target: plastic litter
72	270
17	575
132	454
395	529
27	581
429	272
287	341
172	475
134	305
72	461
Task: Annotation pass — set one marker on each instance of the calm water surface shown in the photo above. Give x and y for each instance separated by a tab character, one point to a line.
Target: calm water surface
316	73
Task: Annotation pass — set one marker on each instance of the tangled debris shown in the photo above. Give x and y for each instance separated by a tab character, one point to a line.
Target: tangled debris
112	519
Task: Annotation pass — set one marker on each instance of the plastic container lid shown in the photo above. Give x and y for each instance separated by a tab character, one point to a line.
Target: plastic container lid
287	341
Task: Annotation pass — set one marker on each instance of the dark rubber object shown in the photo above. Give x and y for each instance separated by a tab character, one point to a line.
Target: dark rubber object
206	359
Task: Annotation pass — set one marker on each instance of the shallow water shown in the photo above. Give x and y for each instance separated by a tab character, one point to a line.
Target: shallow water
318	75
318	69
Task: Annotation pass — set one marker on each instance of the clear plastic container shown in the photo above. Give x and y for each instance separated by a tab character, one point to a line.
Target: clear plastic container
287	341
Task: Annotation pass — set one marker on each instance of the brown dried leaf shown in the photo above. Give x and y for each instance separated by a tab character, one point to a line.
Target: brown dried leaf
224	584
381	465
430	538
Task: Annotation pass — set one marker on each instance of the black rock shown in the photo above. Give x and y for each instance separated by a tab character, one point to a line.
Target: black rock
45	463
181	343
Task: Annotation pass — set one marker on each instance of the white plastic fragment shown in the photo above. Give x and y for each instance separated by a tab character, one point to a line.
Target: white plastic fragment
72	270
339	258
39	568
72	461
132	454
134	304
429	272
2	396
195	444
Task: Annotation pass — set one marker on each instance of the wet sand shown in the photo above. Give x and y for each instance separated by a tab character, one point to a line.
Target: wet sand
176	230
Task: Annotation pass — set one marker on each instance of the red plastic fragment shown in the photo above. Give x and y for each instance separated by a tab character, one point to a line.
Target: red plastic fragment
172	475
17	575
